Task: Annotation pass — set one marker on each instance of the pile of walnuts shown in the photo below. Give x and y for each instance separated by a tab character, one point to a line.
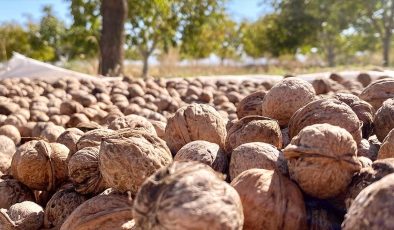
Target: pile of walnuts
197	154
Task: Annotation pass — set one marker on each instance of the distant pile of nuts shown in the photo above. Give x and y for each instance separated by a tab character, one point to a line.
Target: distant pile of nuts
197	154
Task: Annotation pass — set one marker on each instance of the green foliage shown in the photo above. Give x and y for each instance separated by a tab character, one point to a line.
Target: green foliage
12	38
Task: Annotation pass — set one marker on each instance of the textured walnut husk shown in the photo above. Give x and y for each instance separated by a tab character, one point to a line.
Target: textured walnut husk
285	98
187	195
322	160
93	138
384	119
367	149
251	104
204	152
255	155
372	208
364	78
366	177
60	206
12	132
387	148
40	165
70	138
51	132
326	85
7	145
129	156
270	200
377	92
329	111
109	210
26	215
254	129
160	128
132	121
5	162
364	111
195	122
84	173
12	192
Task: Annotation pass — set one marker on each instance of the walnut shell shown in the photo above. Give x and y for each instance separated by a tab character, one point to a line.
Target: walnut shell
364	78
5	162
51	132
384	119
367	176
26	215
185	195
70	107
76	119
364	111
84	173
7	145
40	165
366	149
254	129
195	122
60	206
372	208
255	155
322	215
129	156
70	138
251	104
12	192
270	200
322	160
329	111
204	152
160	128
12	132
377	92
105	211
132	121
386	150
93	138
285	98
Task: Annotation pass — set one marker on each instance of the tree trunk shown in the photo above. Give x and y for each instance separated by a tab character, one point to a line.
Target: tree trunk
330	56
114	13
386	49
145	66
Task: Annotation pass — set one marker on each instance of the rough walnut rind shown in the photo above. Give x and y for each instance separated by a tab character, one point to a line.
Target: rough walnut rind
364	111
367	176
372	208
128	157
12	192
134	122
329	111
7	145
204	152
84	173
384	119
285	98
12	132
187	195
254	155
254	129
60	206
26	215
105	211
93	138
322	160
387	148
70	138
40	165
270	200
251	104
195	122
377	92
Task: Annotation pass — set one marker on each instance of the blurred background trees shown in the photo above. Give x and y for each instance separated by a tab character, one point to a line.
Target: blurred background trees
336	31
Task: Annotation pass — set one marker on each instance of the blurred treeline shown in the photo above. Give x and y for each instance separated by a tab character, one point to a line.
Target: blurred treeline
335	31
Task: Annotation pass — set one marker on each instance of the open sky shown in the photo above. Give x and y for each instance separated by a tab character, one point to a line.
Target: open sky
20	10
